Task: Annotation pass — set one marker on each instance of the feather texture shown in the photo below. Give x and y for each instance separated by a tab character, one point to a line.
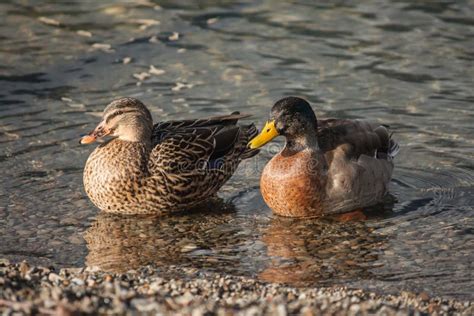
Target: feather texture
181	165
328	166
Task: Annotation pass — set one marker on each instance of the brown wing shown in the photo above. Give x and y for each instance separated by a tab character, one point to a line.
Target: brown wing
161	129
196	145
360	137
192	159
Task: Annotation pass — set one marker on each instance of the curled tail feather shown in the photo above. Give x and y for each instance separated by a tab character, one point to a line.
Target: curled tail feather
251	132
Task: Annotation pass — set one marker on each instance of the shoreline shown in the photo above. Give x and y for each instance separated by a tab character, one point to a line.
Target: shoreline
73	291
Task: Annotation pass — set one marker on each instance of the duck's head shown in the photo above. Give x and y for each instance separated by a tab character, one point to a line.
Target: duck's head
125	118
291	117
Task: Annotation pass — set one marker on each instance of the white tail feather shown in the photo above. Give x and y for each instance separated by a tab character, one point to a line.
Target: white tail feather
394	149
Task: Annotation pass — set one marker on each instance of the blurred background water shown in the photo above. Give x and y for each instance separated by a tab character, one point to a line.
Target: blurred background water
405	63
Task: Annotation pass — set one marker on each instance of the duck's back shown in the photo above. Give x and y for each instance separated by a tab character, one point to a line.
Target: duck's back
199	143
196	157
351	169
364	137
360	162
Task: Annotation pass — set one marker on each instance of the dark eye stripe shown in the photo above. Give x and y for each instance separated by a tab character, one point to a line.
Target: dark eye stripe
117	113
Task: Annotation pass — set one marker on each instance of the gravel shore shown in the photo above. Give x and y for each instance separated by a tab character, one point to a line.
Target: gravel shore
74	291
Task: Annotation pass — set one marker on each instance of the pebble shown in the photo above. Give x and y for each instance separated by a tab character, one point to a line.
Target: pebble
33	289
188	248
24	267
54	278
424	296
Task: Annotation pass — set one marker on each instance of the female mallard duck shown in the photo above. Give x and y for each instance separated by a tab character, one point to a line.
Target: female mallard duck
327	166
154	169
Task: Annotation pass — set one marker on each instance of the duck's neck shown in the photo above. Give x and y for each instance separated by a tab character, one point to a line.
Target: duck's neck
298	143
136	132
307	144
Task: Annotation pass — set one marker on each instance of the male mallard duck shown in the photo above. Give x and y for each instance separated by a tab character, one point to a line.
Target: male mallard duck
154	169
327	166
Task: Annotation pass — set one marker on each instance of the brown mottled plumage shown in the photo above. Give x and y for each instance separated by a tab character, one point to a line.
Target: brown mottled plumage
155	169
327	166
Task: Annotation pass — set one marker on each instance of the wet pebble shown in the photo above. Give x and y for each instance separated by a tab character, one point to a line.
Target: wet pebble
28	289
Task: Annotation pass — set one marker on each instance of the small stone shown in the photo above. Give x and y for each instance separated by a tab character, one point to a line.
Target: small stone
4	262
108	278
54	278
77	281
152	290
424	296
306	311
281	310
63	310
185	299
188	248
24	268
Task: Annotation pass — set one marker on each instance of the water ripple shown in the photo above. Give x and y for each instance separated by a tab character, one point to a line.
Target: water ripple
407	65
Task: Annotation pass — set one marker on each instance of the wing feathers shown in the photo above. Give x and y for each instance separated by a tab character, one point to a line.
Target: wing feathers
184	146
364	138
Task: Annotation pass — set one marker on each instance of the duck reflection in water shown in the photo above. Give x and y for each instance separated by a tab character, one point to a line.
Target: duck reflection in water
299	252
121	243
307	251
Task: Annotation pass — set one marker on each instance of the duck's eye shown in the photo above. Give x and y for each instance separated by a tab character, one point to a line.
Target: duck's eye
268	130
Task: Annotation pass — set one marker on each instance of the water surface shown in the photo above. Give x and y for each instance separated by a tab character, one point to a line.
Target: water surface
403	63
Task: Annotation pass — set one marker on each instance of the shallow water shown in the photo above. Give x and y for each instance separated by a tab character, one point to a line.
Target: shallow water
403	63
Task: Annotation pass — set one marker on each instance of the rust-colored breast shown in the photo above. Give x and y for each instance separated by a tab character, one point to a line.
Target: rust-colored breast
293	186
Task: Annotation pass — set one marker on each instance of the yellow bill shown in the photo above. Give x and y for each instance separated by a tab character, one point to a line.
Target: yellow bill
268	133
